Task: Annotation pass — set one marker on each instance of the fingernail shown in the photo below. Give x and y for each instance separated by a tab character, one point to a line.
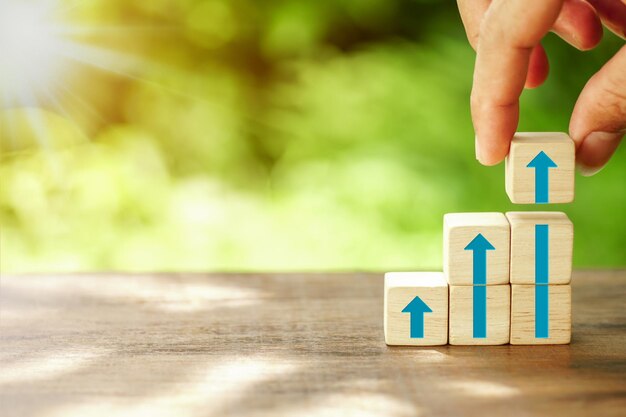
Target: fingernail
596	150
586	171
477	149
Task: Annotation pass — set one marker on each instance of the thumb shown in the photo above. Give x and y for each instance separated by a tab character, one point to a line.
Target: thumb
599	118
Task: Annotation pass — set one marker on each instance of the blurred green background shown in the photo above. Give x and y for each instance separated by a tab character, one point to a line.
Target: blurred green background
274	135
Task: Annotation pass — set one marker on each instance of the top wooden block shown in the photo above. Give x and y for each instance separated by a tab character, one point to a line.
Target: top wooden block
540	168
476	248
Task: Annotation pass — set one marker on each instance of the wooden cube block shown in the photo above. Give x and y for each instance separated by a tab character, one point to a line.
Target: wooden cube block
540	168
480	315
416	308
541	247
541	314
476	248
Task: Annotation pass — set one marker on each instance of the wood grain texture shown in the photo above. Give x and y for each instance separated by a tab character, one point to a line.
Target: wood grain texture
523	315
498	315
283	345
459	229
400	289
520	179
560	246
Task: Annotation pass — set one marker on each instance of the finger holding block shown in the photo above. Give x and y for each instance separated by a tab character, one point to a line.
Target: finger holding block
416	309
480	315
541	314
541	247
476	248
540	168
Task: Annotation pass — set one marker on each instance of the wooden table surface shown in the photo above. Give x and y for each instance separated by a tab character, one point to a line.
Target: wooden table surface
283	344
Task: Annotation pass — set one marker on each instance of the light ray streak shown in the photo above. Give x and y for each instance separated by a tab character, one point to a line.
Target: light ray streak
82	103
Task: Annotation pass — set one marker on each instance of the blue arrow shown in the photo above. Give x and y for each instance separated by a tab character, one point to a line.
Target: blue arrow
541	254
417	308
542	316
480	311
541	311
542	163
480	245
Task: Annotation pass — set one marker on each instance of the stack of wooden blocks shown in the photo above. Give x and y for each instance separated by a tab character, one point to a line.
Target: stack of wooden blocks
506	277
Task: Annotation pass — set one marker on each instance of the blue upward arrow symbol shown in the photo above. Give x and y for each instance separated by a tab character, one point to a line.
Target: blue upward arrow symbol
542	163
417	308
480	245
542	315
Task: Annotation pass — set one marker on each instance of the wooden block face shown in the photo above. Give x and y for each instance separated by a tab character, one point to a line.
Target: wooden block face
528	327
541	247
463	320
416	293
547	178
460	246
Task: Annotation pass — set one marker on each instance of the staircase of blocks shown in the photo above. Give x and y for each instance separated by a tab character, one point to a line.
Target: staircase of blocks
506	276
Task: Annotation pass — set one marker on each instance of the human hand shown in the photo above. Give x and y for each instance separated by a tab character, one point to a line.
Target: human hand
506	35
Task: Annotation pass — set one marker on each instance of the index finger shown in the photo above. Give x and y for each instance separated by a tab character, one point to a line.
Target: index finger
472	12
509	32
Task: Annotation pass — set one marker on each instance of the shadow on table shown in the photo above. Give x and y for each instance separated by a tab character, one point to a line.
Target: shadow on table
261	345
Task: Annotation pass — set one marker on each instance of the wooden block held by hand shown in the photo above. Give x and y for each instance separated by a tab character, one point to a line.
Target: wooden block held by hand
480	315
416	308
541	247
541	314
540	168
476	248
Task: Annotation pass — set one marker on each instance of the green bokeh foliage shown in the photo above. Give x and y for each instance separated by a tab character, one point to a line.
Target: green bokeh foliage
279	135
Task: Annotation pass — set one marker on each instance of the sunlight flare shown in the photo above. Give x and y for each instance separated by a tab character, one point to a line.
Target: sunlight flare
47	58
31	50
